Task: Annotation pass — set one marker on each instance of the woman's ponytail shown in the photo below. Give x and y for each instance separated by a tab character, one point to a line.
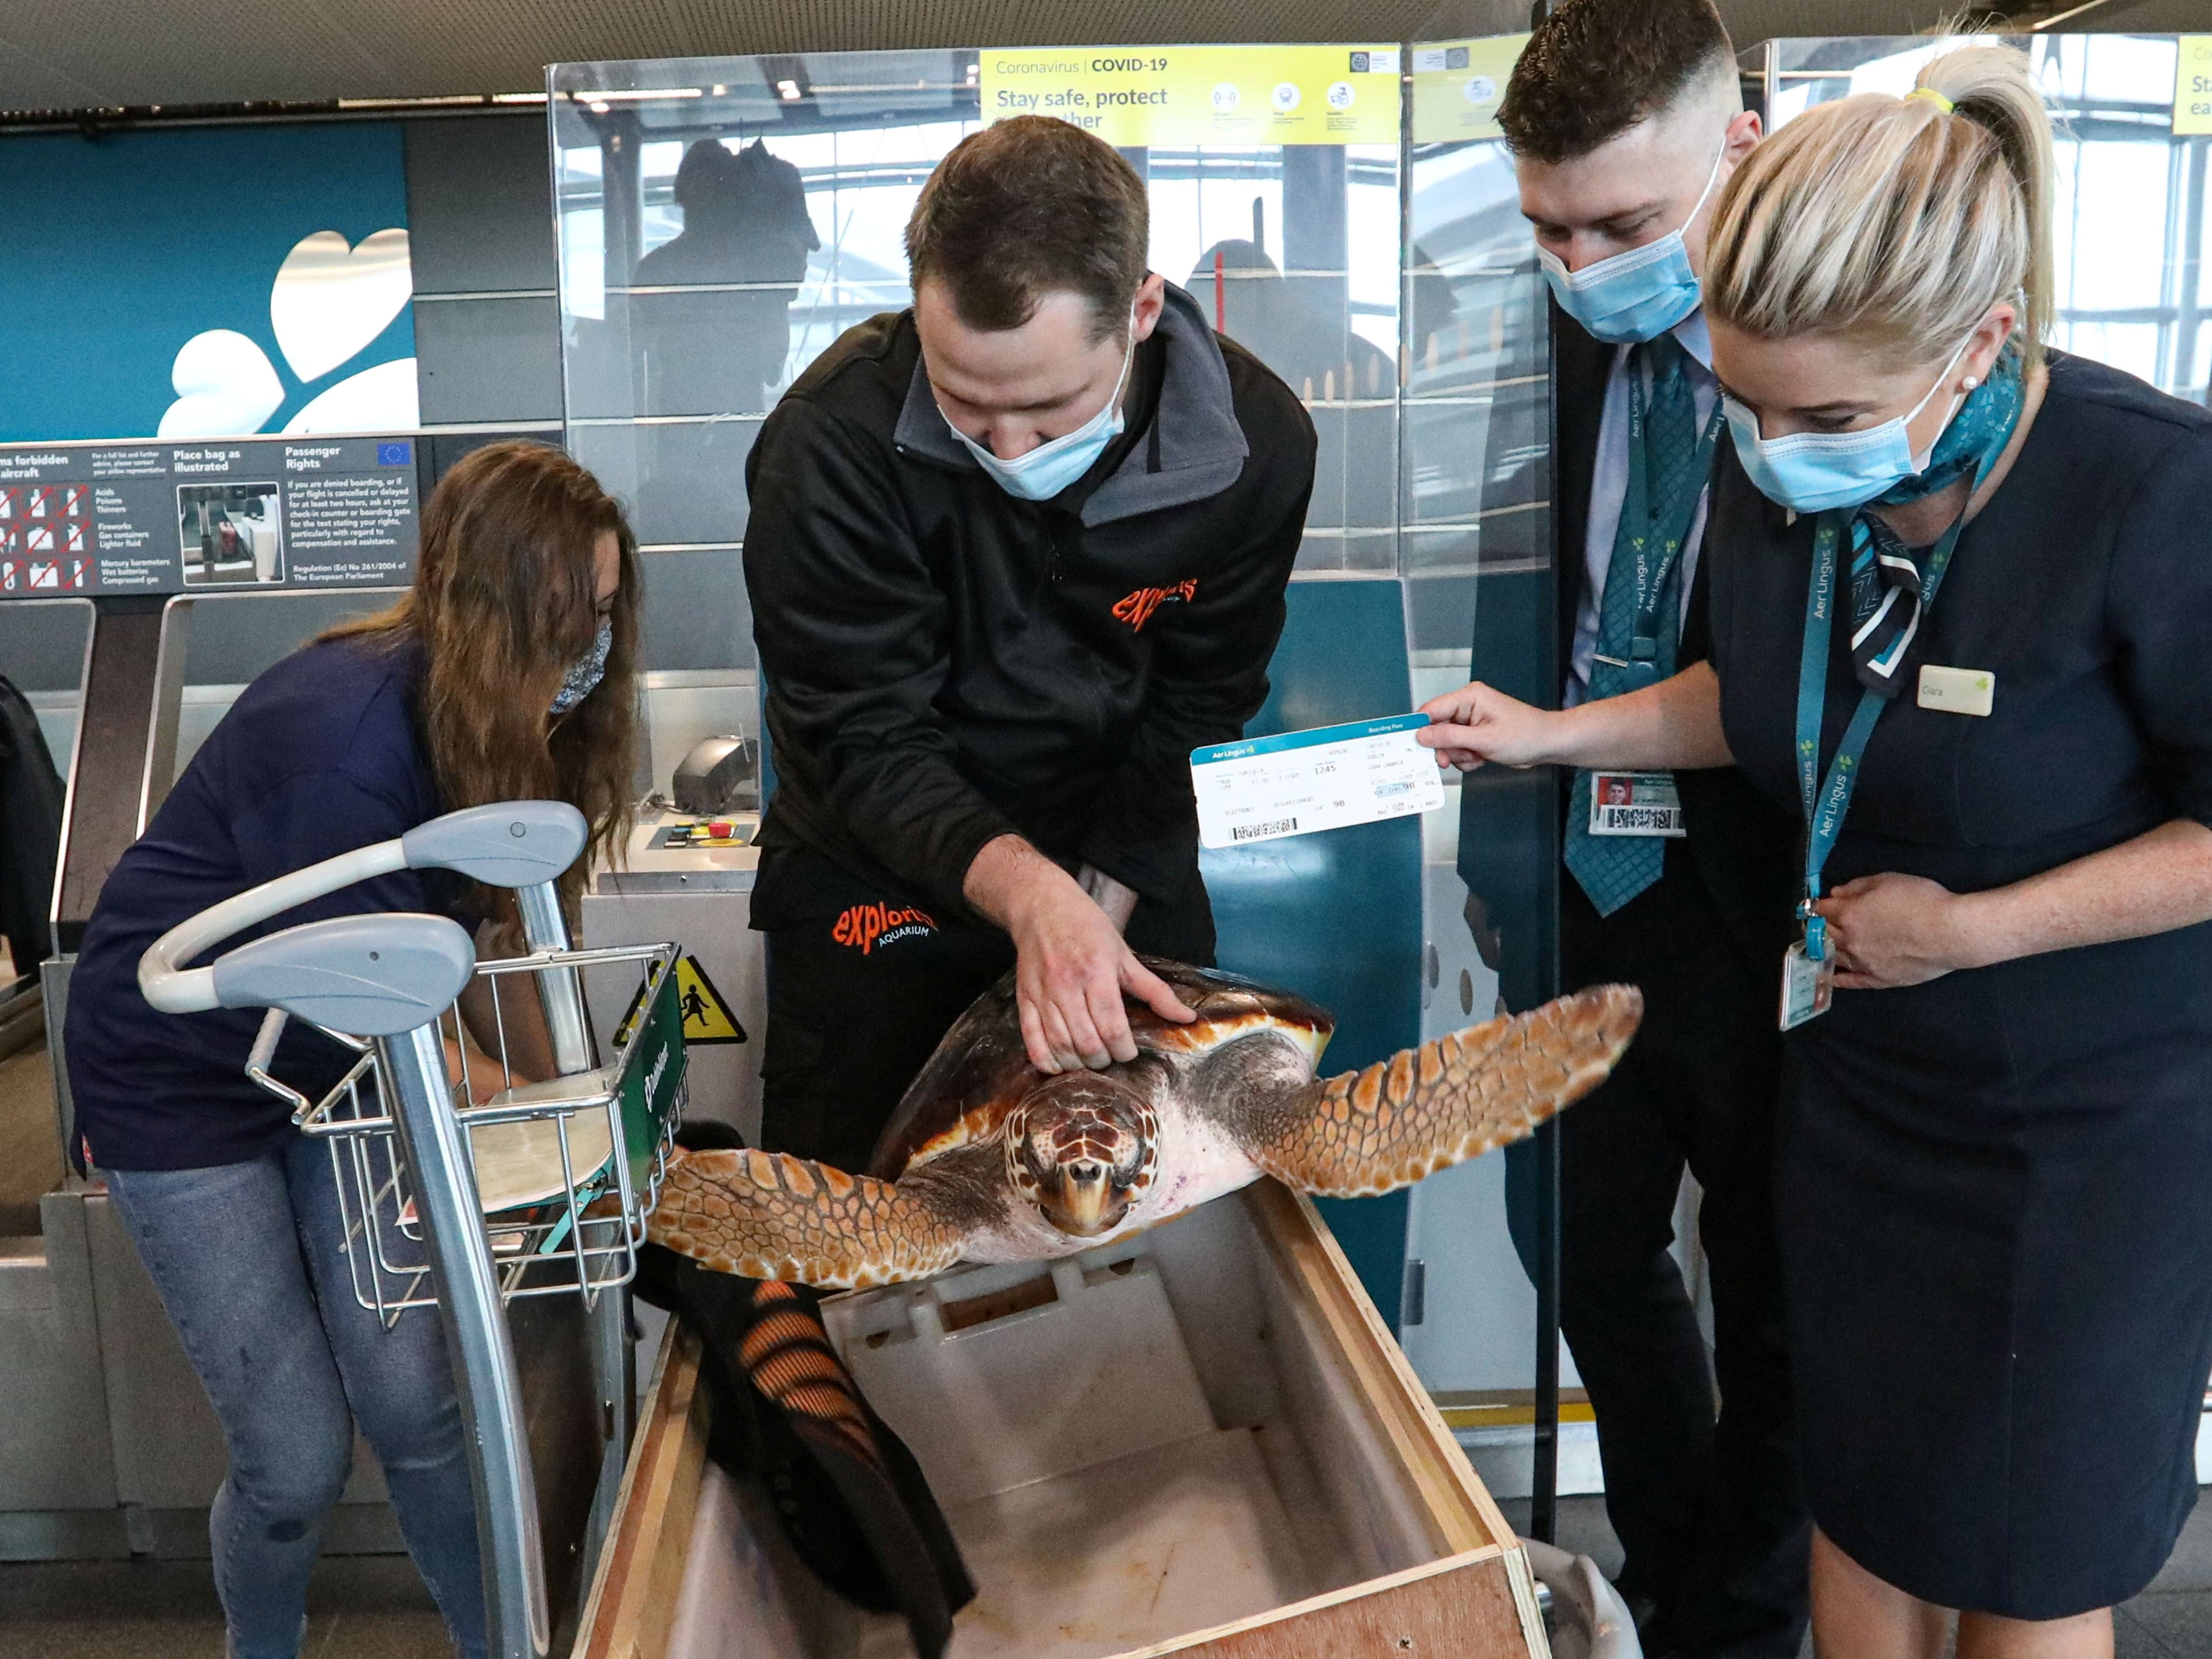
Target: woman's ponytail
1899	221
1993	87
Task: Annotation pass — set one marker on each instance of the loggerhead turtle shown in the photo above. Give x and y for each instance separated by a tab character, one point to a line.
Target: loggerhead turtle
988	1159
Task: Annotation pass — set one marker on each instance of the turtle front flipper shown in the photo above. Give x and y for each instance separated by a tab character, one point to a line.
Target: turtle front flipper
768	1215
1427	1108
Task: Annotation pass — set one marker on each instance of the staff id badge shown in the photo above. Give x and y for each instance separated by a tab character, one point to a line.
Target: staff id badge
1329	778
1634	804
1808	987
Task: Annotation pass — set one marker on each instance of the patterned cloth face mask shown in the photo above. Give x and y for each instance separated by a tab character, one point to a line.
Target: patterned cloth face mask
585	672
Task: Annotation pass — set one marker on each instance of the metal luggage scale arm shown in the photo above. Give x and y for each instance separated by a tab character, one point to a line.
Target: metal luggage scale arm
382	984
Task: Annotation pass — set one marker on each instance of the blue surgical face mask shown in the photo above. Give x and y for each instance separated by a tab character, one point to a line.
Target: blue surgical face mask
1817	472
585	672
1635	295
1053	465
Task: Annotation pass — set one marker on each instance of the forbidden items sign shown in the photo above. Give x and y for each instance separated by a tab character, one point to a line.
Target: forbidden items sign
215	516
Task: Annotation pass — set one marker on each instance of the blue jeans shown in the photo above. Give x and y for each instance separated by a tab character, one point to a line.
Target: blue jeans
248	1261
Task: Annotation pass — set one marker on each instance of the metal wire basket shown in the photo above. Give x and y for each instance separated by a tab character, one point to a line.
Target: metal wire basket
566	1169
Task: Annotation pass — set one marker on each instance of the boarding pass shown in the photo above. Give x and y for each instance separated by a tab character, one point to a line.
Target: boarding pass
1325	779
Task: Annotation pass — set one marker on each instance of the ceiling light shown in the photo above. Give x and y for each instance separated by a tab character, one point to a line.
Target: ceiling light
789	89
642	94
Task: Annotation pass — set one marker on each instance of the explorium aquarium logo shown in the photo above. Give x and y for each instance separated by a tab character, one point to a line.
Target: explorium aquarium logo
328	303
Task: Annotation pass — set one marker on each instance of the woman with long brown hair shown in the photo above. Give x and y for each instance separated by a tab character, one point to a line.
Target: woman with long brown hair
506	672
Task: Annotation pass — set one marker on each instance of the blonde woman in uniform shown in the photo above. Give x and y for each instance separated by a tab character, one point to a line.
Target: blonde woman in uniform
1961	590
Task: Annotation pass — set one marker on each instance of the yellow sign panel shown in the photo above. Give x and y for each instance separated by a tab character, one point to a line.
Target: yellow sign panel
1458	86
707	1017
1201	95
2192	85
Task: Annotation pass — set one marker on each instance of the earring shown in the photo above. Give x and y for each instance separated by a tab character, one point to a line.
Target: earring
1971	382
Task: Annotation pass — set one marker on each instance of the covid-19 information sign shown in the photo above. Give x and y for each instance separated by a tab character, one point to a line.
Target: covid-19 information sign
2192	85
1202	96
213	515
1458	86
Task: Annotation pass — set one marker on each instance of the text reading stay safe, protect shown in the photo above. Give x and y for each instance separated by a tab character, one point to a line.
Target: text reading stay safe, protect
1219	96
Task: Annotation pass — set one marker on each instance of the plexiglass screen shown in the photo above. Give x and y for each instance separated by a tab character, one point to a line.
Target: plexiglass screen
1475	487
722	221
2129	202
1476	538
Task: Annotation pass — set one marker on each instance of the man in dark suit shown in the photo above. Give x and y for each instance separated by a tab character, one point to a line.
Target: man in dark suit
1625	119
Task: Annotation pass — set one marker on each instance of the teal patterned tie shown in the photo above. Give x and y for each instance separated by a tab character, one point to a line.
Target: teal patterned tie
1614	869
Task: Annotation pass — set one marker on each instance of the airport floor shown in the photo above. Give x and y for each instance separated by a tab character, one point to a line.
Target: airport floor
360	1606
374	1606
2171	1620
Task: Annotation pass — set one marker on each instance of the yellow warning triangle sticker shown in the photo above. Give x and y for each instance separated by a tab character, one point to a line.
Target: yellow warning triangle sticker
707	1017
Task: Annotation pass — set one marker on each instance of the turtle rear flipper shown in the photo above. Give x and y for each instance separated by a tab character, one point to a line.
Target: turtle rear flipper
768	1215
1426	1108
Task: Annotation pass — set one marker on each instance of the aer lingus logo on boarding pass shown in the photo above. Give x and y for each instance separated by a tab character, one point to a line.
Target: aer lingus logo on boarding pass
1299	782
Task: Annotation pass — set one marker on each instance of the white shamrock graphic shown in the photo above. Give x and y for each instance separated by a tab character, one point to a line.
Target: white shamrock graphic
224	385
328	302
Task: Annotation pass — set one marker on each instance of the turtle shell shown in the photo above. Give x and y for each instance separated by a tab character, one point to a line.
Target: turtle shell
980	1071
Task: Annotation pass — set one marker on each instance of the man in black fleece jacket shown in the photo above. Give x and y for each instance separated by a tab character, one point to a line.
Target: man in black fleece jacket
1013	554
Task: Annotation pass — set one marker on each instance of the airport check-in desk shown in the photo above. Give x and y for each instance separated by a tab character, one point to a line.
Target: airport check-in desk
701	897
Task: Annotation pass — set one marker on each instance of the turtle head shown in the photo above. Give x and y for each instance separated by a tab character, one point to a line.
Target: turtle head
1083	1147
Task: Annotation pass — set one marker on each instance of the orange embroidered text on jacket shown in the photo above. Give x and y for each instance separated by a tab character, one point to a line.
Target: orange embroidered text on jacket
863	925
1136	610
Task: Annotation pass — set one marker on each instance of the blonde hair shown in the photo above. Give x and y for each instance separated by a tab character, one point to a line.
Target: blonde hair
1901	221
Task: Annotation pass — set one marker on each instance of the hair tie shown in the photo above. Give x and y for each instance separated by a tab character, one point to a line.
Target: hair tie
1933	97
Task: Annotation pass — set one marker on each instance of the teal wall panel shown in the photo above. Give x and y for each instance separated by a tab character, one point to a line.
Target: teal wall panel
122	247
1337	916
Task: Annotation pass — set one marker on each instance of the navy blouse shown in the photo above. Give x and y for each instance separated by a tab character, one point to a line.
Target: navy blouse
321	755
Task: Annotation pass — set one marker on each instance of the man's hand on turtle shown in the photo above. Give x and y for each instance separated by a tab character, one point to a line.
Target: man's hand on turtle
1072	969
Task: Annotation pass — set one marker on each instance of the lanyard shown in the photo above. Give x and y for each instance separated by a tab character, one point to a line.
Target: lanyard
1826	802
1658	547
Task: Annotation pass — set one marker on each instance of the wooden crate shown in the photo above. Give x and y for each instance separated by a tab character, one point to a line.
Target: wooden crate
1396	1549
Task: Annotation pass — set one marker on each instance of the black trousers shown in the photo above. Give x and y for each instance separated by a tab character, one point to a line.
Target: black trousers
1706	1500
863	984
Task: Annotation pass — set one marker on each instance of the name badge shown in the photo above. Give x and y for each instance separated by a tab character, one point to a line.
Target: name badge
1957	691
1329	778
1634	804
1808	987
